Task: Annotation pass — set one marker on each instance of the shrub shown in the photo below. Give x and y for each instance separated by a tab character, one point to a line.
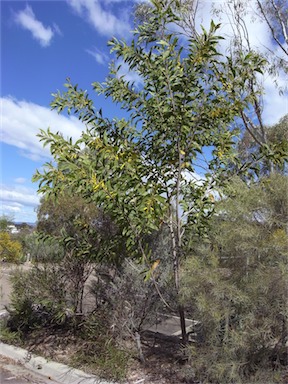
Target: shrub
236	285
38	299
41	250
100	352
10	250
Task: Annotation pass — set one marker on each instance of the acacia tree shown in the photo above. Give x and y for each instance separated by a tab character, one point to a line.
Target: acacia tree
10	250
159	164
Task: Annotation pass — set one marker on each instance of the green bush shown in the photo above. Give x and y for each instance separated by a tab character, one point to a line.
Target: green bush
100	353
104	358
235	284
38	299
8	336
42	250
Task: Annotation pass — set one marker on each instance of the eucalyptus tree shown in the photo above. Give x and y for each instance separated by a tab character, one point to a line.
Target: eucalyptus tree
277	145
275	14
241	15
158	165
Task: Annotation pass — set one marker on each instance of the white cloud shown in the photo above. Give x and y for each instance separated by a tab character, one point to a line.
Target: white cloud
19	196
19	214
27	20
20	180
7	209
19	202
22	120
129	75
98	55
275	104
101	18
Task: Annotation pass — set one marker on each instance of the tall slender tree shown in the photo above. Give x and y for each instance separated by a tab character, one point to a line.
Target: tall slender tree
160	164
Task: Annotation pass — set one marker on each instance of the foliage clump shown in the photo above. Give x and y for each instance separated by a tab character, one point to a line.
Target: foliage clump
100	351
238	289
10	250
38	299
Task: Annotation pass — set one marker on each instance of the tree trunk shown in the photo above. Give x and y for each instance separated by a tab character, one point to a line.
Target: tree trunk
181	310
184	335
139	347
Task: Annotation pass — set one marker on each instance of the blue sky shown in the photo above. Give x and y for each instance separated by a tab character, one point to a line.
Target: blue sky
42	43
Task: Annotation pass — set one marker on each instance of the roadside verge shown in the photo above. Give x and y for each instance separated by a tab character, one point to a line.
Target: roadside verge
50	370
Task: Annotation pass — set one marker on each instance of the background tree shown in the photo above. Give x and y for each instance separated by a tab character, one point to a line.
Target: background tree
42	250
4	222
273	14
83	235
78	223
277	139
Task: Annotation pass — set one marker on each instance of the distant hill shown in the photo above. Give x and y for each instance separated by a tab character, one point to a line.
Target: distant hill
21	223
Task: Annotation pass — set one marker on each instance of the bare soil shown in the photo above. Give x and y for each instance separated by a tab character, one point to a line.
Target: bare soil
164	360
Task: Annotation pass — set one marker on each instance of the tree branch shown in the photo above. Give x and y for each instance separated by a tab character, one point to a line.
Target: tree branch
272	29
